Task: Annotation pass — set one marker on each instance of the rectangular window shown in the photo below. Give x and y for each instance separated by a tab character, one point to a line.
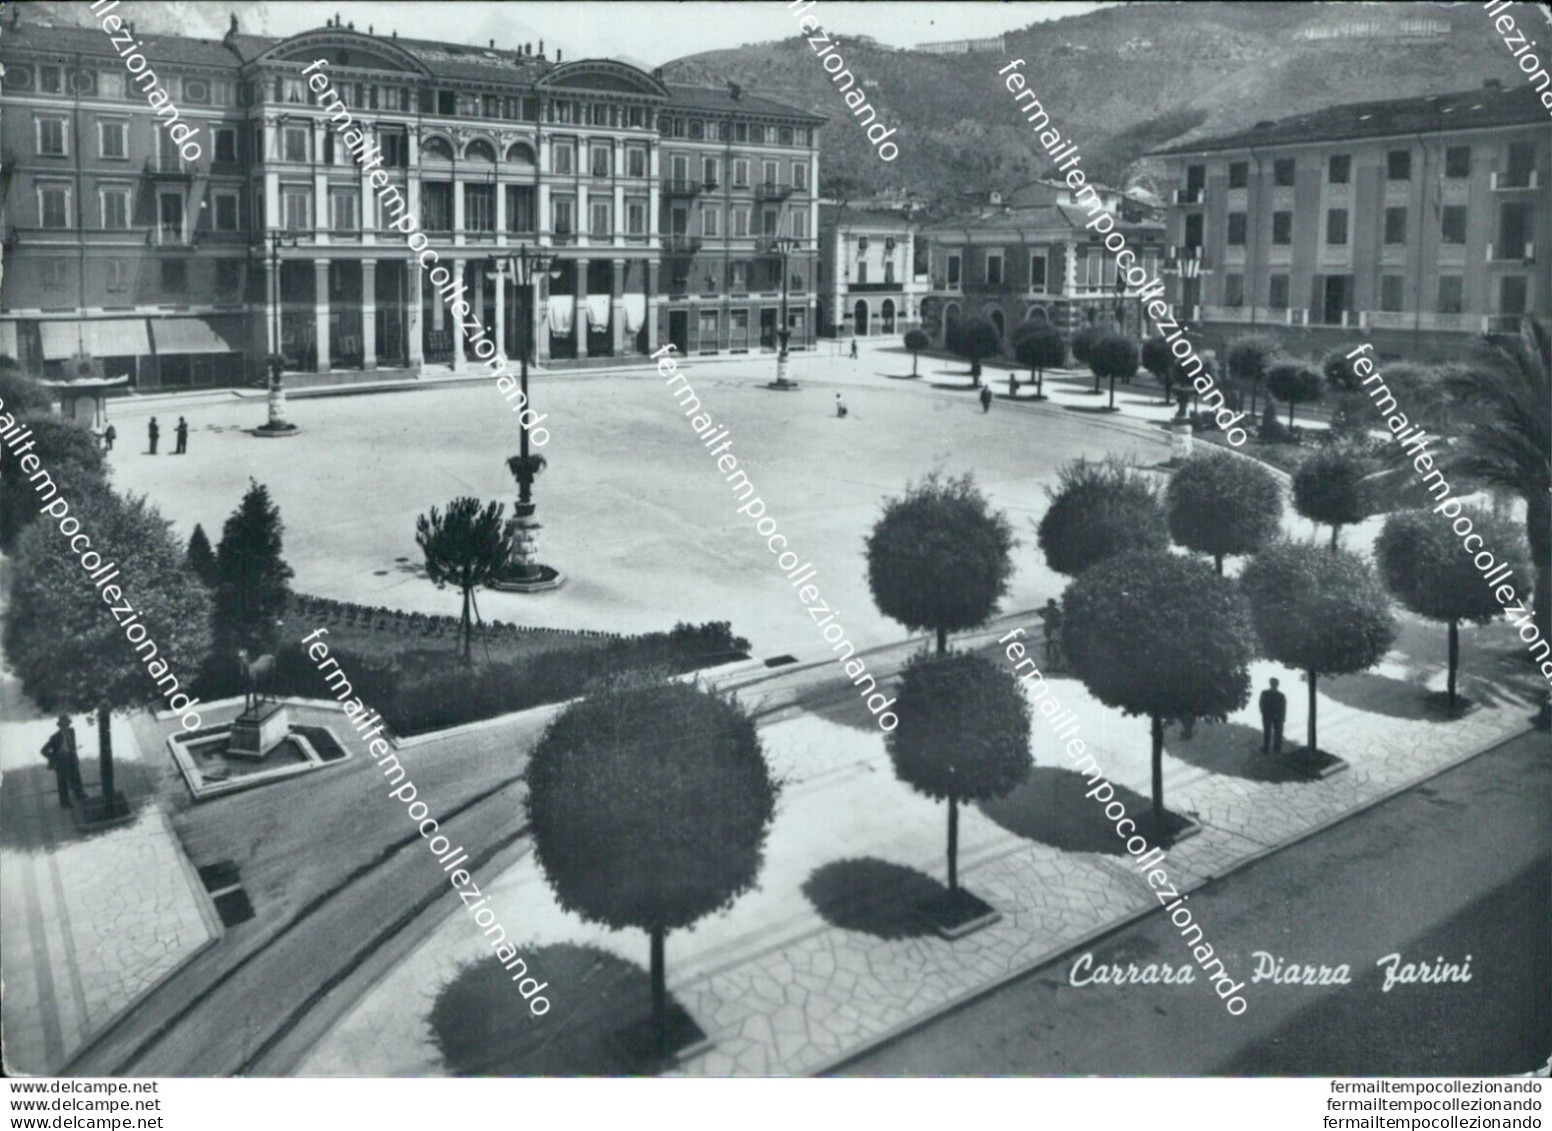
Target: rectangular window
740	223
54	206
708	328
600	156
395	147
110	84
1282	227
297	210
56	273
1457	161
1513	290
53	137
800	224
1398	165
226	147
1339	168
436	206
1196	181
564	158
1451	294
768	173
1452	224
1239	174
740	171
115	209
169	215
479	208
1516	223
113	140
1234	290
709	172
770	222
1282	172
601	222
635	217
226	211
1336	226
679	165
953	271
295	142
740	284
711	220
228	276
800	176
563	215
175	276
994	267
522	208
343	211
1390	292
1395	225
51	80
1237	229
1194	229
636	161
1037	271
1277	292
117	276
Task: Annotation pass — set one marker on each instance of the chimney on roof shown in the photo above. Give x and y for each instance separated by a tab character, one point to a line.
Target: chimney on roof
352	25
557	54
541	49
493	43
232	30
734	91
1491	84
395	33
657	73
371	29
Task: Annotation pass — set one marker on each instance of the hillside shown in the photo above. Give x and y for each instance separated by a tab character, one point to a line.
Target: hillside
1118	81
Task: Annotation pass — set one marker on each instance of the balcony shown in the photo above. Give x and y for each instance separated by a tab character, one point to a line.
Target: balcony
983	288
1188	196
678	186
1422	320
170	167
1177	251
872	288
772	191
1511	253
1501	323
681	244
1516	182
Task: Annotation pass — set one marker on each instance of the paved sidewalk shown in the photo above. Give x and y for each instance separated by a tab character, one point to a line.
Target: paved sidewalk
88	923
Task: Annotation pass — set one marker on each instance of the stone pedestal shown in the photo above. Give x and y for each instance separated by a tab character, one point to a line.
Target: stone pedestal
258	730
1180	440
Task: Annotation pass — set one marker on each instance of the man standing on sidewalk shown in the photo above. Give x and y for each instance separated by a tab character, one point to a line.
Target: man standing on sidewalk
1274	709
182	433
60	752
154	431
986	398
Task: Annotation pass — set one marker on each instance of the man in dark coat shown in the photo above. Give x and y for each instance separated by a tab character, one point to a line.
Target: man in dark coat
154	431
109	434
60	752
986	398
182	433
1274	709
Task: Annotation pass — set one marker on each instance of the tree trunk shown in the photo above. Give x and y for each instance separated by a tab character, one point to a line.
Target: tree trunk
914	358
1168	399
1313	676
1454	659
1158	771
1335	527
105	758
942	640
1290	416
659	990
975	371
1218	561
468	636
1039	381
953	843
1096	379
1112	390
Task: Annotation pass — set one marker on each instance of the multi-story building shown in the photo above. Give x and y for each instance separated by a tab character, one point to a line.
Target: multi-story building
1416	220
873	273
183	272
1037	262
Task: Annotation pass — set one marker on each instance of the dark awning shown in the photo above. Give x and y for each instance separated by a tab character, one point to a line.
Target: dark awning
194	335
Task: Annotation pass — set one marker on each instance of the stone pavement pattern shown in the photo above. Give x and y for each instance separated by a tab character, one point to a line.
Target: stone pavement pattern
88	924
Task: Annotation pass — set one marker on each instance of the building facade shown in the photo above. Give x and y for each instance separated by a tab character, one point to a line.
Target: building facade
873	273
122	253
1422	222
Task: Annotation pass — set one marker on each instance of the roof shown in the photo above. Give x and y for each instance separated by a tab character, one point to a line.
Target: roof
1434	113
96	42
846	215
1046	216
720	98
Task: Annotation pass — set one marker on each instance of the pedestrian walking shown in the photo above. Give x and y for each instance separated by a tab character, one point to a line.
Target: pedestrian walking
182	433
1274	709
109	434
986	398
60	753
1051	617
154	431
840	407
854	349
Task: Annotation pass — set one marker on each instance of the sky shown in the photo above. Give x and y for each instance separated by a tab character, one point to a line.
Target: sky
649	34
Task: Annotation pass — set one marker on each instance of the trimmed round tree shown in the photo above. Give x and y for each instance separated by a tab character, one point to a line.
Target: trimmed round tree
254	581
1293	382
70	651
1326	489
939	558
1247	359
650	803
1112	356
916	341
1039	345
1098	510
1157	360
975	341
1223	506
1322	613
465	547
963	734
68	455
1161	635
1083	338
1421	559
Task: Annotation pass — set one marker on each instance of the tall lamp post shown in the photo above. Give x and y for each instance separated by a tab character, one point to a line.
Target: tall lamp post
785	246
277	423
524	574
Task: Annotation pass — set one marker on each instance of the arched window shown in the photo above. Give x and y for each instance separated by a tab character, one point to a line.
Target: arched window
1036	315
886	315
436	149
860	318
522	153
481	151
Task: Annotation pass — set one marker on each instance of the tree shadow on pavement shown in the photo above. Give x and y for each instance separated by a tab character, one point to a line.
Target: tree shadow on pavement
31	818
482	1026
1050	807
1234	750
873	897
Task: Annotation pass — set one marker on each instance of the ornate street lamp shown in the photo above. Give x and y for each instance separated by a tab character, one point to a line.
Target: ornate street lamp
276	425
785	246
524	574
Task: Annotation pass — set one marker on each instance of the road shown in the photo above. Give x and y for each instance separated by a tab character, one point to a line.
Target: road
1457	866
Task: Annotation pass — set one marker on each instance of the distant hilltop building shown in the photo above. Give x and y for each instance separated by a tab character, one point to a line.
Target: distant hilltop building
1376	29
963	46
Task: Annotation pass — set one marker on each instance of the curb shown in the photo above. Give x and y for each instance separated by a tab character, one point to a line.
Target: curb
906	1028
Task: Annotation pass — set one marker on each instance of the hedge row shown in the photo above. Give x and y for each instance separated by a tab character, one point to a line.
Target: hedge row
348	614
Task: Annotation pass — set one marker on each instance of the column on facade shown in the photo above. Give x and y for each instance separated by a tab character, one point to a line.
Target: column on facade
653	165
542	221
501	214
413	338
538	315
321	220
369	314
460	274
368	197
272	211
501	306
651	284
321	313
458	212
477	294
579	317
620	336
